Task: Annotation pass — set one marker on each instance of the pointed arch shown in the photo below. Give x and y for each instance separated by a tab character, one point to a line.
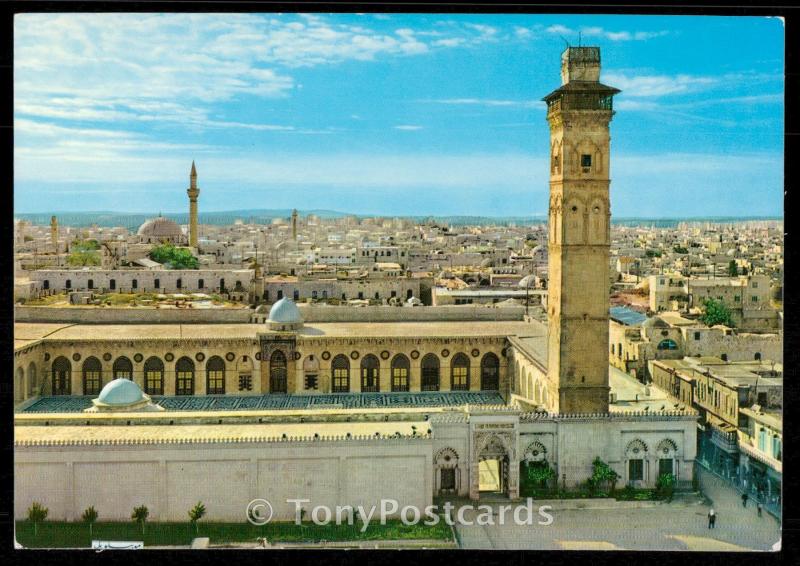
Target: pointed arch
122	368
215	376
430	373
153	376
370	374
92	376
184	376
490	372
340	374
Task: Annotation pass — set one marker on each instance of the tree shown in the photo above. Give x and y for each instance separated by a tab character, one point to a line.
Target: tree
83	253
716	313
196	513
602	473
140	515
680	250
90	518
665	486
540	473
174	258
733	269
37	513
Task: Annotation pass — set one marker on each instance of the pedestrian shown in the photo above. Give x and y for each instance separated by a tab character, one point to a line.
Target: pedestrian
712	518
744	500
759	507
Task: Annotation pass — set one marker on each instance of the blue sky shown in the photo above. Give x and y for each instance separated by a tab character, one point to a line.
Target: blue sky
387	114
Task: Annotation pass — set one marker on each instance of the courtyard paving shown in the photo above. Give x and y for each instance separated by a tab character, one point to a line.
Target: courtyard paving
681	525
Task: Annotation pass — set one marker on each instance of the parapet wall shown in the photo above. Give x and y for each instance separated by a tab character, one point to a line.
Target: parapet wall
111	315
311	313
314	313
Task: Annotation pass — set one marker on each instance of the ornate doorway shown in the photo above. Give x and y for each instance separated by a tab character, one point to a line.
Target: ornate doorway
494	466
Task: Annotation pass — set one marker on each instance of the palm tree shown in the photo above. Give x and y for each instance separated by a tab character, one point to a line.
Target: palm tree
37	513
89	517
140	515
196	513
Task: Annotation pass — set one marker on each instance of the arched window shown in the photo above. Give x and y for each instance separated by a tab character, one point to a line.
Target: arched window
135	284
122	368
154	376
459	373
400	372
62	376
757	356
92	379
46	284
68	284
370	371
221	284
430	373
201	284
91	284
157	283
179	283
409	294
215	376
667	344
277	372
724	357
340	371
184	376
112	284
280	294
490	372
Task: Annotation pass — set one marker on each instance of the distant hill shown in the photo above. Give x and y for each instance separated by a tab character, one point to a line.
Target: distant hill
132	221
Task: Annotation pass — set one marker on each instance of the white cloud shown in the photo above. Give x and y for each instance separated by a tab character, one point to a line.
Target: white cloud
596	31
172	67
408	127
657	85
490	102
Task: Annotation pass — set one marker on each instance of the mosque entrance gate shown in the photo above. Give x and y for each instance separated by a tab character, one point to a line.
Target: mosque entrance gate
494	453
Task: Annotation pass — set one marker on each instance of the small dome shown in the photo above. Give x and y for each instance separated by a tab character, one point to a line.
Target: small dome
121	392
285	312
160	228
528	280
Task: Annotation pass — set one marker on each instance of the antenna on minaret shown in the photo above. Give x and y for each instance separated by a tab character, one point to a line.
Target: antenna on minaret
579	39
564	40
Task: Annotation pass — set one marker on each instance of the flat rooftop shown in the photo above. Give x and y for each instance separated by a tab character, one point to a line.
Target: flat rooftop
205	403
32	435
25	333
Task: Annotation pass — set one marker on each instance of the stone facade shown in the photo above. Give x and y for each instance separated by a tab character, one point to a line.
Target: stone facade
579	240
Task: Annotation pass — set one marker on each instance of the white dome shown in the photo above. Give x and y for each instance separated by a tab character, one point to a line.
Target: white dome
527	280
121	392
285	312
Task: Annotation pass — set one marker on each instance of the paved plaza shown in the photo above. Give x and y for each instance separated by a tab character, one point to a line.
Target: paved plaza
681	525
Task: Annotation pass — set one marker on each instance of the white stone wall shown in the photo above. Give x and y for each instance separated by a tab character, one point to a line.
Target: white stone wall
170	479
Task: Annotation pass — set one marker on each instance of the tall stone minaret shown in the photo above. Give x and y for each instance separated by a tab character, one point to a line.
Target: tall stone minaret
579	113
294	224
54	233
193	193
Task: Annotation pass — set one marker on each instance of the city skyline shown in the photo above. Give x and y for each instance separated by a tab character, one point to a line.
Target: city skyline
397	115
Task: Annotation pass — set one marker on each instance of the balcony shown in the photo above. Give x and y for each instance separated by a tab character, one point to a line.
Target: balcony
725	439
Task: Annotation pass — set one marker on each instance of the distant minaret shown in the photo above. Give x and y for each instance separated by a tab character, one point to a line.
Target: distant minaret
193	193
54	233
294	224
